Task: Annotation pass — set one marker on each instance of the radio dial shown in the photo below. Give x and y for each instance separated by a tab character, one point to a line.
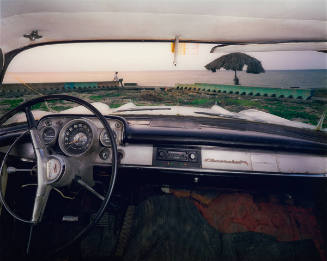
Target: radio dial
162	154
192	156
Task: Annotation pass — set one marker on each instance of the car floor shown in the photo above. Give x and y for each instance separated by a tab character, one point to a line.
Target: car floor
185	224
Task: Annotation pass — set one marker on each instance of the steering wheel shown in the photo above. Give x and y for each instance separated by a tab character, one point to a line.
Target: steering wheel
64	177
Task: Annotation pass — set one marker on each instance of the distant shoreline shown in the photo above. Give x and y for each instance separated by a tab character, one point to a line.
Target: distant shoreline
308	79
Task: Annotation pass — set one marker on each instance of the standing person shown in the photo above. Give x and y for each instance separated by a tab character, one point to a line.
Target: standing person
116	79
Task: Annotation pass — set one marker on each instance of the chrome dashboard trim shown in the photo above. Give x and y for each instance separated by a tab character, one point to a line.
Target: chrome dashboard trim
214	172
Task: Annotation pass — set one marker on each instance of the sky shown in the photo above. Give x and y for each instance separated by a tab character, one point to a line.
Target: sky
147	57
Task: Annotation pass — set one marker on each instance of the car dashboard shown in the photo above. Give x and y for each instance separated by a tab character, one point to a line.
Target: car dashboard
182	144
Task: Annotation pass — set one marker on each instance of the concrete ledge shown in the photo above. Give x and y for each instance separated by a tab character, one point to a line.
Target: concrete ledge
248	90
19	90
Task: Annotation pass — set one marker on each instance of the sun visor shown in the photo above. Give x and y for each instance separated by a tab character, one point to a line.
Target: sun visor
25	23
263	47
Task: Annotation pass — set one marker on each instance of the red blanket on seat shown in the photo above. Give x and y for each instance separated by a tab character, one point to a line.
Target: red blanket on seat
238	212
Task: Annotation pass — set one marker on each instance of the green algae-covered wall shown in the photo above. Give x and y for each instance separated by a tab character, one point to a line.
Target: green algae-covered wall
19	90
248	90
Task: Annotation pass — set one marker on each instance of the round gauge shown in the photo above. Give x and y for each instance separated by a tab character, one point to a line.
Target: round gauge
53	169
76	137
104	154
105	139
48	135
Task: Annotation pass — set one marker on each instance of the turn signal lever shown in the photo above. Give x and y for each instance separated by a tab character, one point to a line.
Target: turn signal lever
11	170
89	188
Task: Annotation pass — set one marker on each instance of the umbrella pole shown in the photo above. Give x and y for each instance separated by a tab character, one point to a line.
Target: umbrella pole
236	80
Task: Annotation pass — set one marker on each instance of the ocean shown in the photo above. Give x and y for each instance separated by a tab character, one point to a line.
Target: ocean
272	78
281	79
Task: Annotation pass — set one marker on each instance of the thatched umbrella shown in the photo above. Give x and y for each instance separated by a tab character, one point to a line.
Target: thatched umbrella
236	62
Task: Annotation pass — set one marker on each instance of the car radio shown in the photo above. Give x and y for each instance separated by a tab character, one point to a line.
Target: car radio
176	157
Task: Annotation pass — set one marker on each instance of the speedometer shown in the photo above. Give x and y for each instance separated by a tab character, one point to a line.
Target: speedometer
76	137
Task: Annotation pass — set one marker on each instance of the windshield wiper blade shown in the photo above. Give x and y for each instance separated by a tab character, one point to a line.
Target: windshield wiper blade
146	109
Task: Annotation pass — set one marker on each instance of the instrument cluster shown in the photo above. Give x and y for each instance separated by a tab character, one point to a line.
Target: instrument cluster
77	137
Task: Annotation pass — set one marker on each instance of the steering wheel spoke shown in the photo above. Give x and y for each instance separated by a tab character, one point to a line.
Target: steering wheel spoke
30	117
40	202
43	189
38	145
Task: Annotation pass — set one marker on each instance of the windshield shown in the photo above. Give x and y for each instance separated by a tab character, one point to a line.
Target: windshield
166	79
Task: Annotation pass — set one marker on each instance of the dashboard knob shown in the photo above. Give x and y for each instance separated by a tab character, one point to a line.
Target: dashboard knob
162	154
192	156
104	154
120	155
